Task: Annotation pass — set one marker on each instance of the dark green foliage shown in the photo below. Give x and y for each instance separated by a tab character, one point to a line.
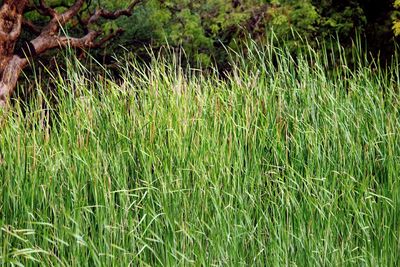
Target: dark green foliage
206	28
203	28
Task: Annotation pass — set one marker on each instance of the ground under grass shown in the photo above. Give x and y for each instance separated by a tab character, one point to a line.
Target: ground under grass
283	161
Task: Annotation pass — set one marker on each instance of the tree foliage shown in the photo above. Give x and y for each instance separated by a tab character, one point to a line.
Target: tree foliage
204	28
396	21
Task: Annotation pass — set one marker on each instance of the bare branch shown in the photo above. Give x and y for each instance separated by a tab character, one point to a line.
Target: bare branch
34	7
46	10
71	12
41	44
102	13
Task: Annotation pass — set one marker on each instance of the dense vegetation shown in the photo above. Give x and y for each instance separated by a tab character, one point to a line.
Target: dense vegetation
282	162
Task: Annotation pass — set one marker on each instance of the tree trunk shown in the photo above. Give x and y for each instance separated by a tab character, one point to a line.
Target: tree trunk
11	14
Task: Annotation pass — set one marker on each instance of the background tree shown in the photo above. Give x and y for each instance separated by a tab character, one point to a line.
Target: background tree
204	28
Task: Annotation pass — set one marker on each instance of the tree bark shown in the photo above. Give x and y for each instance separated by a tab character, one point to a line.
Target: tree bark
11	14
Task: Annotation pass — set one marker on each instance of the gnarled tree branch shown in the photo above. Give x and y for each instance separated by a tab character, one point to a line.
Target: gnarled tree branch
48	37
102	13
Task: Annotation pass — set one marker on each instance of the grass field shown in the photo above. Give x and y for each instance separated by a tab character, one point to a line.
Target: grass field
281	162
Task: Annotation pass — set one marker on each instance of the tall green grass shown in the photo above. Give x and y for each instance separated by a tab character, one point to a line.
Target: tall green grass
283	161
